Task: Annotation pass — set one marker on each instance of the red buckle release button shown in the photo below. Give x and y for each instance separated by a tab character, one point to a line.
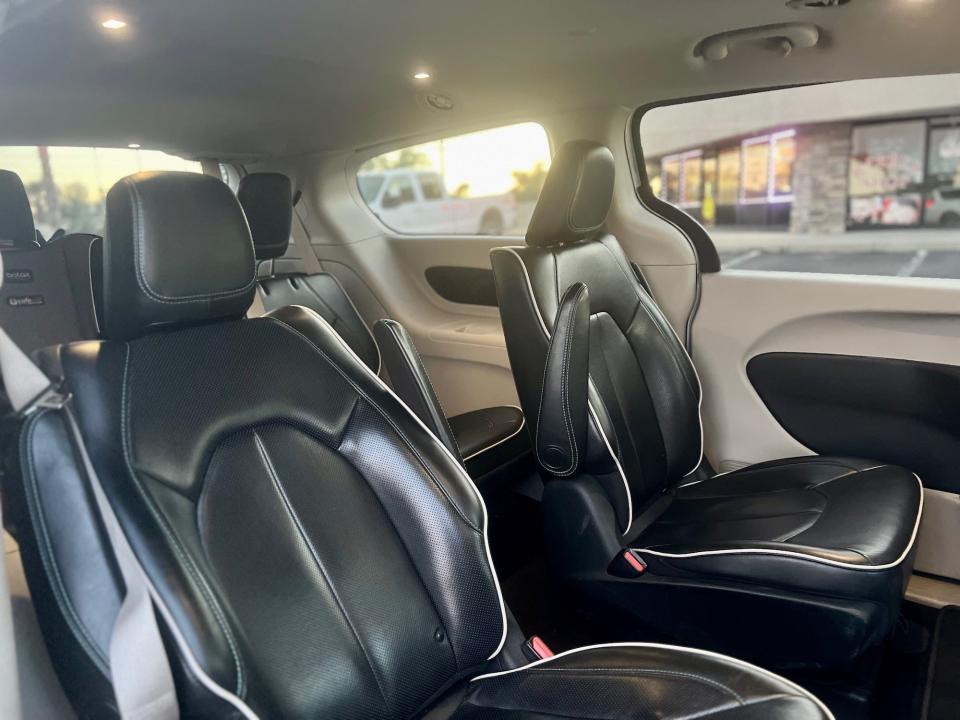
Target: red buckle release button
539	648
634	561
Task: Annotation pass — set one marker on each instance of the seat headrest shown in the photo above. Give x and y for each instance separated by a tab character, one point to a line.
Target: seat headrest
16	217
267	200
177	251
576	195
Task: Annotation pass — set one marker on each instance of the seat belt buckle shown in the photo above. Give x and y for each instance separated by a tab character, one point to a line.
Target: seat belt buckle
536	649
634	563
49	399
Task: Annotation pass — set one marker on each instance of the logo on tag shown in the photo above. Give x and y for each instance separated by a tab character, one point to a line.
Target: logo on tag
25	300
17	276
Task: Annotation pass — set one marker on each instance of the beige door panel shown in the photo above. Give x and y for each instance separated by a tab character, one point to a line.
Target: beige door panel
744	314
461	345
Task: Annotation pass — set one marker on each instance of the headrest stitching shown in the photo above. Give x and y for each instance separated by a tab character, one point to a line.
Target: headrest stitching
139	251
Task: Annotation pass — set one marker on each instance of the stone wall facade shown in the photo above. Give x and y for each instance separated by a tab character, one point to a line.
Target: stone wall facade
820	176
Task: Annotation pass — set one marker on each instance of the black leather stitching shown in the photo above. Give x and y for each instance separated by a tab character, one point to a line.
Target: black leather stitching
179	551
138	251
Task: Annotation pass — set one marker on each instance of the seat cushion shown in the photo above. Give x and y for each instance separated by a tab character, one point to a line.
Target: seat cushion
838	513
638	681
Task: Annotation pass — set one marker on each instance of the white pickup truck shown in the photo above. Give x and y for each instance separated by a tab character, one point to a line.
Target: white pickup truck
417	201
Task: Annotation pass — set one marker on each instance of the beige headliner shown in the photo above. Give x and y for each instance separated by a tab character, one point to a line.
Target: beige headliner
235	78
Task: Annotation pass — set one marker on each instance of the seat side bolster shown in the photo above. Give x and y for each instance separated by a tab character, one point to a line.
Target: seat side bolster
410	380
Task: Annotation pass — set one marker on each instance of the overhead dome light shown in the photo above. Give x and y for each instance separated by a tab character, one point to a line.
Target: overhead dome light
421	75
134	146
114	23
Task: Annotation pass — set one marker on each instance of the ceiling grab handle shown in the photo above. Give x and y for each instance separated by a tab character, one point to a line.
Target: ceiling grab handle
781	36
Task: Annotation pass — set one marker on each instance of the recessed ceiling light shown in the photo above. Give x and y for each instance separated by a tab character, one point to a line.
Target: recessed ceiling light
134	145
421	76
114	24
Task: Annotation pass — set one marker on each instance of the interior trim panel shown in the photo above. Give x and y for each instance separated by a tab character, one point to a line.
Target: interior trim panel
463	285
902	412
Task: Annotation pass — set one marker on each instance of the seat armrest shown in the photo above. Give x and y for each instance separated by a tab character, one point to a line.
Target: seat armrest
562	418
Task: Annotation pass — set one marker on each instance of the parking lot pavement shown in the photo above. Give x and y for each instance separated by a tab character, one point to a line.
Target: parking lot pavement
914	263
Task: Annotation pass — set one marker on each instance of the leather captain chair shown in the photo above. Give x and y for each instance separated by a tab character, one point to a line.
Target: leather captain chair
804	559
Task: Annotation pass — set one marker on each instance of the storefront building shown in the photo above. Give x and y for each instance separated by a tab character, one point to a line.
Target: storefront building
821	177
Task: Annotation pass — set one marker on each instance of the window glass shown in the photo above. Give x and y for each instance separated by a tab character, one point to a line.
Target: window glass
399	191
483	183
670	173
784	147
756	169
709	211
944	160
67	185
431	186
728	183
859	177
369	186
692	179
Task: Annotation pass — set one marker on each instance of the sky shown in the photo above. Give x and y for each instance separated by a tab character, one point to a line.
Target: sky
96	168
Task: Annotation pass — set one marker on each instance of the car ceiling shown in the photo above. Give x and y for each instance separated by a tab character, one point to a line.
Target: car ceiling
238	78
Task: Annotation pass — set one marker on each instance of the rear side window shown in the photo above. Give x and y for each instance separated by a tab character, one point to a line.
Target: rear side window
482	183
858	177
67	185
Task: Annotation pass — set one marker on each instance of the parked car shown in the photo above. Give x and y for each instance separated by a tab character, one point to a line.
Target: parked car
943	207
418	201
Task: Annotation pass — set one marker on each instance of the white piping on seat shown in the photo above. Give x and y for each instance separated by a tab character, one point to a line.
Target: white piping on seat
693	651
456	463
637	290
800	555
595	419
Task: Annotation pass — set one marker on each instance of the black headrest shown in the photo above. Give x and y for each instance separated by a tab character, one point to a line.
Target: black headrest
16	217
267	199
576	195
177	251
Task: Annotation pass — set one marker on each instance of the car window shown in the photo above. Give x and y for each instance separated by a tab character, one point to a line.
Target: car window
399	191
488	182
369	185
430	186
67	185
858	177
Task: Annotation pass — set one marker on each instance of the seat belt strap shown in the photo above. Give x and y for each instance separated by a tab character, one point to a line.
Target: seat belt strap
305	250
9	673
256	308
139	667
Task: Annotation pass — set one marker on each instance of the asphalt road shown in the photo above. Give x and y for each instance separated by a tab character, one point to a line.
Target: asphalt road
912	263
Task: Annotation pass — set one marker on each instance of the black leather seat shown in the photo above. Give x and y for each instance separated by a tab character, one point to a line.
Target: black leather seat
488	439
319	552
812	554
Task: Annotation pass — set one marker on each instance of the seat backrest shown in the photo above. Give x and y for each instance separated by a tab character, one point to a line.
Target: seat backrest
321	552
267	201
38	303
644	392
